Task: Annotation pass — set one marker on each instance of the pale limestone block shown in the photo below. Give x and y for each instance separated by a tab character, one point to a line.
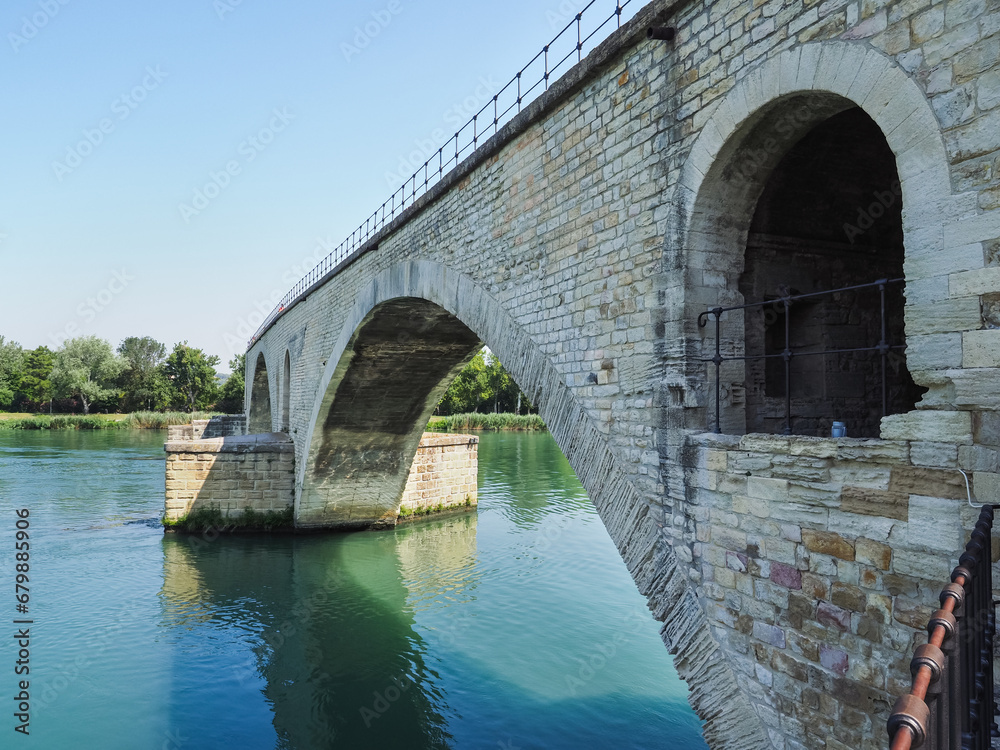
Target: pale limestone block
987	487
789	71
951	315
936	351
943	455
935	524
850	68
809	57
854	525
985	226
981	348
929	426
974	387
976	281
872	69
912	128
924	155
830	61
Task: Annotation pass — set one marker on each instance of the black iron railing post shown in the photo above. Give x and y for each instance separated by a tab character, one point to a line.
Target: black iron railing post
718	359
787	356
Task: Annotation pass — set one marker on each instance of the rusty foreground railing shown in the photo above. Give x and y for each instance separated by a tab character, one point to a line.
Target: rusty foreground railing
951	703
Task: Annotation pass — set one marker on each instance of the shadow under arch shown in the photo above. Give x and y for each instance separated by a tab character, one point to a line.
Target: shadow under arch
756	124
259	413
456	304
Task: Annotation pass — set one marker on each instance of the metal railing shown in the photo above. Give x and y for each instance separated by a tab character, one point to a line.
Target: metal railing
951	704
787	355
567	46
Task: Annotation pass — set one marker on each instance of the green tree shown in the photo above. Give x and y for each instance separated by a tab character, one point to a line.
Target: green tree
484	385
88	368
192	376
142	381
36	385
469	388
11	369
234	389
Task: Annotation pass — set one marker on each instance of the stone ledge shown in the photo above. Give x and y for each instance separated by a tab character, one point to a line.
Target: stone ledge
268	442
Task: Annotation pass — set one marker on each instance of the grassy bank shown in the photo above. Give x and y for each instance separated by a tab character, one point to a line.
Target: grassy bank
137	420
466	422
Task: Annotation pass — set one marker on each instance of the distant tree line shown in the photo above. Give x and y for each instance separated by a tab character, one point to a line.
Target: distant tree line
86	374
484	386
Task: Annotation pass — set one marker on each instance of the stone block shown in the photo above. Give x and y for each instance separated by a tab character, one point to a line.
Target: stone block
934	454
847	596
911	613
929	426
833	659
936	351
981	348
935	524
832	616
946	483
815	586
873	553
769	634
786	576
828	544
873	502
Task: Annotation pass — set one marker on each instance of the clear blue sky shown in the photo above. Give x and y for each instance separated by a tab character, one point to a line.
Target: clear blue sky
94	239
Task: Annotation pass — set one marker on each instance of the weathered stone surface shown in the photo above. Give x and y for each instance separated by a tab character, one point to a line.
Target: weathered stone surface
929	426
833	616
871	502
833	659
981	348
827	544
873	553
945	483
786	575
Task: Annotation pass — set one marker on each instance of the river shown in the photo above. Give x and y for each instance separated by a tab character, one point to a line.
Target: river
517	626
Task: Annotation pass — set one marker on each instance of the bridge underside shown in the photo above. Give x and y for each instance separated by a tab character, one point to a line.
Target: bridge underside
383	391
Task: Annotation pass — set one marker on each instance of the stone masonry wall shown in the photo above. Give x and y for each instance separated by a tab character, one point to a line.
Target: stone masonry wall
444	472
819	562
231	474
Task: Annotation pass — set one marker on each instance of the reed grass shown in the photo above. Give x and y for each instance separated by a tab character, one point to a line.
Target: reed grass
149	420
493	422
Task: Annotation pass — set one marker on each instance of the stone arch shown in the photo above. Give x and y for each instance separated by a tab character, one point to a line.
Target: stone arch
745	137
462	308
259	413
286	394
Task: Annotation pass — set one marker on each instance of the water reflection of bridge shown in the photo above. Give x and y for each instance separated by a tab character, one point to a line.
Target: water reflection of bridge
328	626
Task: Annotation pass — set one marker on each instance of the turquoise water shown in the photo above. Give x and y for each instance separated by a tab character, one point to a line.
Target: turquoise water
515	627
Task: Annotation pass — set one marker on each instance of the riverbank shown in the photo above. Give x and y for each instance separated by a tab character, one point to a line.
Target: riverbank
140	420
490	422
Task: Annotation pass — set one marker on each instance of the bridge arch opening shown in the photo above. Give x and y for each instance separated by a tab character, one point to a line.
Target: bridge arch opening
259	413
803	200
385	387
286	398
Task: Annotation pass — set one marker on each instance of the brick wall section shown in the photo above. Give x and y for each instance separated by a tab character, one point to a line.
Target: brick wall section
232	474
819	562
444	472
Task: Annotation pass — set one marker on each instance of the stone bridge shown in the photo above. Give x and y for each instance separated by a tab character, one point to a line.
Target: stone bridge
770	149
